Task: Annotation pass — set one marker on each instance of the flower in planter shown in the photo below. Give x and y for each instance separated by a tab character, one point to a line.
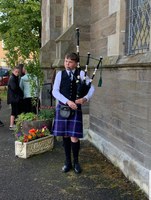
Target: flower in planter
32	134
45	113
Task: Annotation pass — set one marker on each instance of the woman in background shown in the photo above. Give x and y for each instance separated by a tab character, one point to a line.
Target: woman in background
14	97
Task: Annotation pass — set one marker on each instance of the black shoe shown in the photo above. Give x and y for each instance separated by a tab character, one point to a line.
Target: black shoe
66	168
77	168
1	124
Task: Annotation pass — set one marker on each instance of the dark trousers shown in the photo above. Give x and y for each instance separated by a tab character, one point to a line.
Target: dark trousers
30	105
16	108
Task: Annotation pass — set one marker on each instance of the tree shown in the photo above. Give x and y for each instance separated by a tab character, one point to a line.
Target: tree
20	29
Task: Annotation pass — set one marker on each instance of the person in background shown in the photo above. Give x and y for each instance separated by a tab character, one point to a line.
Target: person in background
1	123
21	73
30	95
71	129
14	97
21	70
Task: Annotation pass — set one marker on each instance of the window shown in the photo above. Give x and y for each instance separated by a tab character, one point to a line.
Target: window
138	26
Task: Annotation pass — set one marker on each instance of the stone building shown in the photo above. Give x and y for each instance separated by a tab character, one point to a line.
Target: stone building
120	111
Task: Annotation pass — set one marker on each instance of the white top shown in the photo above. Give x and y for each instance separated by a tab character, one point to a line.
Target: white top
56	87
26	87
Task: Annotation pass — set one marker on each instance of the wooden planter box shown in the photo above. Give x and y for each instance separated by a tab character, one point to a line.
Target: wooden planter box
41	145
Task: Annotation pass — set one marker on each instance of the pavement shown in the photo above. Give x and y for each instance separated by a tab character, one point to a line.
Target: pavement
40	178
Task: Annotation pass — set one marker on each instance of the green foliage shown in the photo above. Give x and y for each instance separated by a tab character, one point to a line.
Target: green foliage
36	78
3	93
34	69
24	117
20	28
46	113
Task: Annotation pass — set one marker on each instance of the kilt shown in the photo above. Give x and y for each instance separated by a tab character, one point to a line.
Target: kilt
72	127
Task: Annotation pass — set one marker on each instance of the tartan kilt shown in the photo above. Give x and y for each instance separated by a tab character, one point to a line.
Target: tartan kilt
72	127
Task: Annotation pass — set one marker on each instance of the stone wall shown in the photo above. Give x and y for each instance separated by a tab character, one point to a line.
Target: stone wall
101	26
108	27
51	28
45	12
120	118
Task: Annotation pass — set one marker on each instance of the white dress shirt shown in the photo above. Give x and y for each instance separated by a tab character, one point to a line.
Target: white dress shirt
56	87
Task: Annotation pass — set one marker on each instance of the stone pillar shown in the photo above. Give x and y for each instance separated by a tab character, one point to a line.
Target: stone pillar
51	29
116	40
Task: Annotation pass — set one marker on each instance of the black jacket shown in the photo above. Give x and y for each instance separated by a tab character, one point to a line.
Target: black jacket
14	94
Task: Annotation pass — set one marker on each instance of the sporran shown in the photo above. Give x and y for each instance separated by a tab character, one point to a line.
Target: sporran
65	111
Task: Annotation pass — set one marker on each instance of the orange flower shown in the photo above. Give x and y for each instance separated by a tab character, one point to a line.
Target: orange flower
32	130
29	137
33	134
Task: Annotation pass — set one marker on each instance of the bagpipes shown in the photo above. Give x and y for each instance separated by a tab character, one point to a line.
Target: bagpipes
82	86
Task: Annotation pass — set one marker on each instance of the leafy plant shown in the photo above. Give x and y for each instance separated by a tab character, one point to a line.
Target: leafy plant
46	113
24	117
36	78
20	28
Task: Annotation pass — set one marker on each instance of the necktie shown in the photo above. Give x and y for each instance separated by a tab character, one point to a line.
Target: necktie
70	75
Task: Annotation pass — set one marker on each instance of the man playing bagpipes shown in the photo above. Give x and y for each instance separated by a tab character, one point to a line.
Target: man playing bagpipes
68	119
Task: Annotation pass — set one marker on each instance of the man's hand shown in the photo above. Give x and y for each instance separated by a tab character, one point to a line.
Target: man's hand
72	105
81	101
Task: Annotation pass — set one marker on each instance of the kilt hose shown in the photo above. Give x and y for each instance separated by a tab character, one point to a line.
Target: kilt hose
72	127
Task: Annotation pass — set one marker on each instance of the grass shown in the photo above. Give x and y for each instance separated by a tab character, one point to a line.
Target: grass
3	93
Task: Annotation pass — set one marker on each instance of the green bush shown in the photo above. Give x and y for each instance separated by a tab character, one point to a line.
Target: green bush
46	113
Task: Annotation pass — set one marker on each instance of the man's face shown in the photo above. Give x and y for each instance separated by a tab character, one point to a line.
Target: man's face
70	64
16	72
